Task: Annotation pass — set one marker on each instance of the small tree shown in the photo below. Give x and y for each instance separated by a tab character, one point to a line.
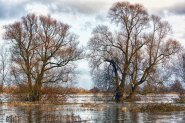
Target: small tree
42	52
177	87
4	64
104	79
177	66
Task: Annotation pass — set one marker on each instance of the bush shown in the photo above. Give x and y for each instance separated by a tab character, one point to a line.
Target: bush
177	87
95	90
149	88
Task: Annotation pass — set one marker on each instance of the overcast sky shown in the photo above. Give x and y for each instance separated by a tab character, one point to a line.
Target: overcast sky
84	15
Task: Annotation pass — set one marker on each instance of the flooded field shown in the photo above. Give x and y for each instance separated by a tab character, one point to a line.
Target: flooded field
86	110
110	113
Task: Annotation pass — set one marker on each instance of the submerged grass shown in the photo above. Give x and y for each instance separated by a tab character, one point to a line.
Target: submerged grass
158	108
181	99
28	104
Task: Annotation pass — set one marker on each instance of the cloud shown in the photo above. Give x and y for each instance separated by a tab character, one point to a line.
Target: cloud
171	8
82	6
87	25
177	8
101	17
17	8
94	7
10	10
37	8
85	7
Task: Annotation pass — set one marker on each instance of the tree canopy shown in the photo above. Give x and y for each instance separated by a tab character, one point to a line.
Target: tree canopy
43	51
136	50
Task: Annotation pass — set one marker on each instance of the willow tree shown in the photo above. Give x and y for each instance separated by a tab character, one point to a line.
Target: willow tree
135	50
43	51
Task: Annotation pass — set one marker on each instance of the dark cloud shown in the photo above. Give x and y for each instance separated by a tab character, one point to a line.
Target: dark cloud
73	7
8	11
84	7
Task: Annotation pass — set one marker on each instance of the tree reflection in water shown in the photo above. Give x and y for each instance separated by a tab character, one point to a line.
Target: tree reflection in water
111	113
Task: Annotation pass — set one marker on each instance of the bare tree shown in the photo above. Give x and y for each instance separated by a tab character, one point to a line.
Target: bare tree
136	50
177	66
157	50
176	86
43	51
4	64
103	78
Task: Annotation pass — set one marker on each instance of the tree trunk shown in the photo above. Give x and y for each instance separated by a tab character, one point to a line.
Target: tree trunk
120	90
36	91
131	96
119	94
35	94
1	88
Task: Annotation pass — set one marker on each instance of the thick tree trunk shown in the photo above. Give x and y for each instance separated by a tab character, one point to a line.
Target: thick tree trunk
1	88
36	91
35	94
120	91
119	94
131	96
121	87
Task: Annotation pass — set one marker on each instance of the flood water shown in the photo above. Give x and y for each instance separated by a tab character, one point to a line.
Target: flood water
108	114
101	112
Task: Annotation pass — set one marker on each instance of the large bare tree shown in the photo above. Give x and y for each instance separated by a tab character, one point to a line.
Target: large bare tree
43	51
136	50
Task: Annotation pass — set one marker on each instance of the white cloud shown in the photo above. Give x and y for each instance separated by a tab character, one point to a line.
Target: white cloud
37	8
14	1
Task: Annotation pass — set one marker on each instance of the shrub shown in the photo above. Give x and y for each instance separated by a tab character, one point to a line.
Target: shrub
177	87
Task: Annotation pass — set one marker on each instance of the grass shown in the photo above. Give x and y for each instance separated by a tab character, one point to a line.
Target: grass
20	103
157	108
181	99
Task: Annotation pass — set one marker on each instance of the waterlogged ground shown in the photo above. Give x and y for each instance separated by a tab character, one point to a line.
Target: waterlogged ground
90	109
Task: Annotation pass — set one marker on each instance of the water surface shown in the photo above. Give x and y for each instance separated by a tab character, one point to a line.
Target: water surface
108	113
85	108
